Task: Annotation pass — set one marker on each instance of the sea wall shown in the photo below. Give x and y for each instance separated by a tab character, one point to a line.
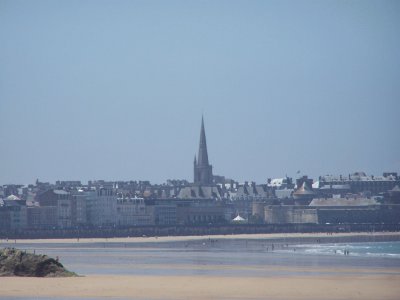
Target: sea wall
278	214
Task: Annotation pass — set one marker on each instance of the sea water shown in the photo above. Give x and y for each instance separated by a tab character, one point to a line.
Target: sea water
376	249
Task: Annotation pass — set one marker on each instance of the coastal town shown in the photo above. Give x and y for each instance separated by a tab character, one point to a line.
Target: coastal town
199	150
209	200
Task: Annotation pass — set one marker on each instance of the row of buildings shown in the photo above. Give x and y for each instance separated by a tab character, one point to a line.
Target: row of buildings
208	200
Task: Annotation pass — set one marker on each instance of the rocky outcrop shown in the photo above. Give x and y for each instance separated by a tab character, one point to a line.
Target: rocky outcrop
14	262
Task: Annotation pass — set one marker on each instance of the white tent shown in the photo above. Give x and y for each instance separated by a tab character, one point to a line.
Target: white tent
13	197
238	219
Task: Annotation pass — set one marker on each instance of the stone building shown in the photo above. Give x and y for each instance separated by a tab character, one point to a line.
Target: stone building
359	182
42	217
131	211
64	204
13	213
102	207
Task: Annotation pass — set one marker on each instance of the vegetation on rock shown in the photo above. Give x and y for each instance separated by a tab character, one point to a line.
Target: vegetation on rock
14	262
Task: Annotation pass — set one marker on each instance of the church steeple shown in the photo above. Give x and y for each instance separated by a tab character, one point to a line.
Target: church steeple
202	168
203	155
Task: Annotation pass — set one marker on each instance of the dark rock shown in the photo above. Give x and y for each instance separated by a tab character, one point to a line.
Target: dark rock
14	262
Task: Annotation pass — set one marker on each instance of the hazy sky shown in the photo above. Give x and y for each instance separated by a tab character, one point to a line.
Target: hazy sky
115	90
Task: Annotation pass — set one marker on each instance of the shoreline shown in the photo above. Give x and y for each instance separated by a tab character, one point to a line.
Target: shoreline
289	237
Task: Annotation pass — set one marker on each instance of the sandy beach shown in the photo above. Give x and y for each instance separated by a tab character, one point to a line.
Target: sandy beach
197	287
395	235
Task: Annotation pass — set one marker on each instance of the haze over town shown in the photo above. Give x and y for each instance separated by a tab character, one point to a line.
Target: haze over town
116	90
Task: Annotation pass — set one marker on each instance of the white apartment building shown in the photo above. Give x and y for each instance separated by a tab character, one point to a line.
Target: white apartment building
133	212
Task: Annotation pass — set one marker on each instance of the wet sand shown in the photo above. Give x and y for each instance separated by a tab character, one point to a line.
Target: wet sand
383	287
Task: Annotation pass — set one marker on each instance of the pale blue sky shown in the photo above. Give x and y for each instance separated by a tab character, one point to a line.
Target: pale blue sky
115	89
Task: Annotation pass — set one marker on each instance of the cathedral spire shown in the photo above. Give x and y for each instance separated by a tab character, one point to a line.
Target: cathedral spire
202	168
203	155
